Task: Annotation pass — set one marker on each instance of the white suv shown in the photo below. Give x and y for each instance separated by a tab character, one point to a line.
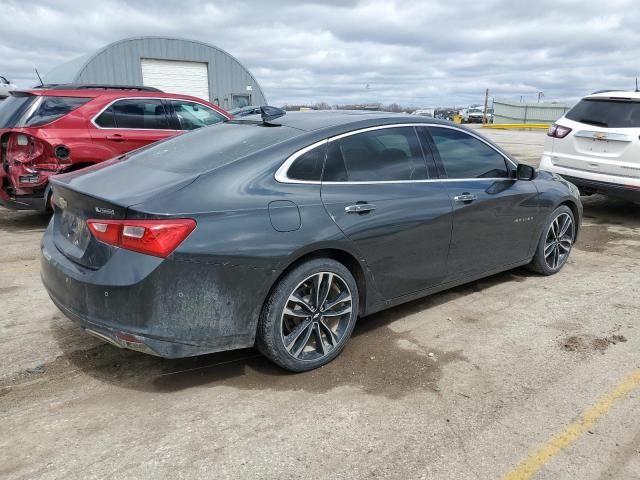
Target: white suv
5	87
596	145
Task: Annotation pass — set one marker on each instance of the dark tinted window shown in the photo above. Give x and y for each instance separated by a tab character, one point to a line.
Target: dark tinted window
145	114
106	119
13	109
464	156
607	113
389	154
52	108
192	115
308	166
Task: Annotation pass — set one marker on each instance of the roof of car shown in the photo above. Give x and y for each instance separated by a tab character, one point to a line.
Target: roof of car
316	120
88	92
616	94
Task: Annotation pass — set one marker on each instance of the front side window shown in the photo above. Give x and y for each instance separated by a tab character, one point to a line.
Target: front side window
147	114
464	156
388	154
192	115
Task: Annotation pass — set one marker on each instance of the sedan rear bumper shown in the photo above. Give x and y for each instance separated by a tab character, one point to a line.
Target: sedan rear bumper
163	307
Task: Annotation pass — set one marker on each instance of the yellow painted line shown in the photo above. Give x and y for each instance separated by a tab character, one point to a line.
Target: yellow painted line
532	464
540	126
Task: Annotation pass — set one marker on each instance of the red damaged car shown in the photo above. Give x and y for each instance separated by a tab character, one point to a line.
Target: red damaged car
60	128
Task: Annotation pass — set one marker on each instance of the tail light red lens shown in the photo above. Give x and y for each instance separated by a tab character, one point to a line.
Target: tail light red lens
558	131
151	237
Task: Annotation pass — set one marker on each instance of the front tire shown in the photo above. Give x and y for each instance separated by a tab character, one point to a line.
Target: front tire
555	243
309	316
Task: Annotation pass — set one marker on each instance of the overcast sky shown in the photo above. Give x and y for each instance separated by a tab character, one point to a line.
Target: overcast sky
418	53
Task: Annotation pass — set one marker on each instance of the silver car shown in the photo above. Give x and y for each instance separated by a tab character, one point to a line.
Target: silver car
5	87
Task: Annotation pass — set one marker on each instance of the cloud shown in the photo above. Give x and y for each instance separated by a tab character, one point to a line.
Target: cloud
410	52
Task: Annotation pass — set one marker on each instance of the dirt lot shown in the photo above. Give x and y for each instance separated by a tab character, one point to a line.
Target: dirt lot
512	376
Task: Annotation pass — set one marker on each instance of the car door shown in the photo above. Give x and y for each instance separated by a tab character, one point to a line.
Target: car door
132	123
191	115
376	188
495	215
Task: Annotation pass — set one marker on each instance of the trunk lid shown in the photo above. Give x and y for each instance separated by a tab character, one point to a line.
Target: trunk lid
88	194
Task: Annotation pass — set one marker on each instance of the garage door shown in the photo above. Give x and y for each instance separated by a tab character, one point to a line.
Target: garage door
189	78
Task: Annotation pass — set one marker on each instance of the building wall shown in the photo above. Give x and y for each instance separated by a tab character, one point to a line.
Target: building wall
506	111
119	64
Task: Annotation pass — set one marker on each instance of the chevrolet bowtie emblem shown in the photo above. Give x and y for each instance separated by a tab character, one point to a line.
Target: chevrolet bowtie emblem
601	136
62	202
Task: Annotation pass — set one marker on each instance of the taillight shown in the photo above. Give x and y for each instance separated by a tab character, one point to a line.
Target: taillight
558	131
151	237
23	148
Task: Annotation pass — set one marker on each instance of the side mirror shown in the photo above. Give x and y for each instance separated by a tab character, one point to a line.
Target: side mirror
525	172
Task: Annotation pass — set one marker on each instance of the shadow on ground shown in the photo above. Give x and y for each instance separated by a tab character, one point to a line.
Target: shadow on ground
23	220
377	359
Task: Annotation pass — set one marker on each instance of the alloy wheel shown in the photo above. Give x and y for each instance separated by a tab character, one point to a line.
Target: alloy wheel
558	241
316	316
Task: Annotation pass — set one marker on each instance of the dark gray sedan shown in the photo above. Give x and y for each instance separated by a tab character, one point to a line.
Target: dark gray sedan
281	233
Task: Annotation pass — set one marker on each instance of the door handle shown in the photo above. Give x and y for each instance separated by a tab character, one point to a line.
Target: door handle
116	138
360	208
464	198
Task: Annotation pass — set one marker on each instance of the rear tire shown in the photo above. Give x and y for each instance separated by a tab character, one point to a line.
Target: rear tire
309	316
555	242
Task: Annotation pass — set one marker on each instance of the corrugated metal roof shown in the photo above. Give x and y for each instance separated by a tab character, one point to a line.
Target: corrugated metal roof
119	63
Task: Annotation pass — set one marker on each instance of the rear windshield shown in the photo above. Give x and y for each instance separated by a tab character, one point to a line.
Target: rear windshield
34	111
12	109
606	113
211	147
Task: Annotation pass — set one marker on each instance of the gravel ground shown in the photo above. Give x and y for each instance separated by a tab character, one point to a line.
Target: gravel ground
465	384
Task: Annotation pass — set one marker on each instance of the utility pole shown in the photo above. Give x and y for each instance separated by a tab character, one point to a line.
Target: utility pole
486	105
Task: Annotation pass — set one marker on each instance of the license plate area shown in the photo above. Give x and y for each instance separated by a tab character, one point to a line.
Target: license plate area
75	231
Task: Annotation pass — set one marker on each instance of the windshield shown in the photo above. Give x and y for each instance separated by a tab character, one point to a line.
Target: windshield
606	113
211	147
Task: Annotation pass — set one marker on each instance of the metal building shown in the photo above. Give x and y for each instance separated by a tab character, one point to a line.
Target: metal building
171	64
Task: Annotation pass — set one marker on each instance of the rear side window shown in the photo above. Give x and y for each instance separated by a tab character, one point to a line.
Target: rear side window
147	114
389	154
464	156
192	115
308	166
606	113
106	119
52	108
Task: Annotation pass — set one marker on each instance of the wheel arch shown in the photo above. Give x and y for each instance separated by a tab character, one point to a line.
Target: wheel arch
366	288
573	206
